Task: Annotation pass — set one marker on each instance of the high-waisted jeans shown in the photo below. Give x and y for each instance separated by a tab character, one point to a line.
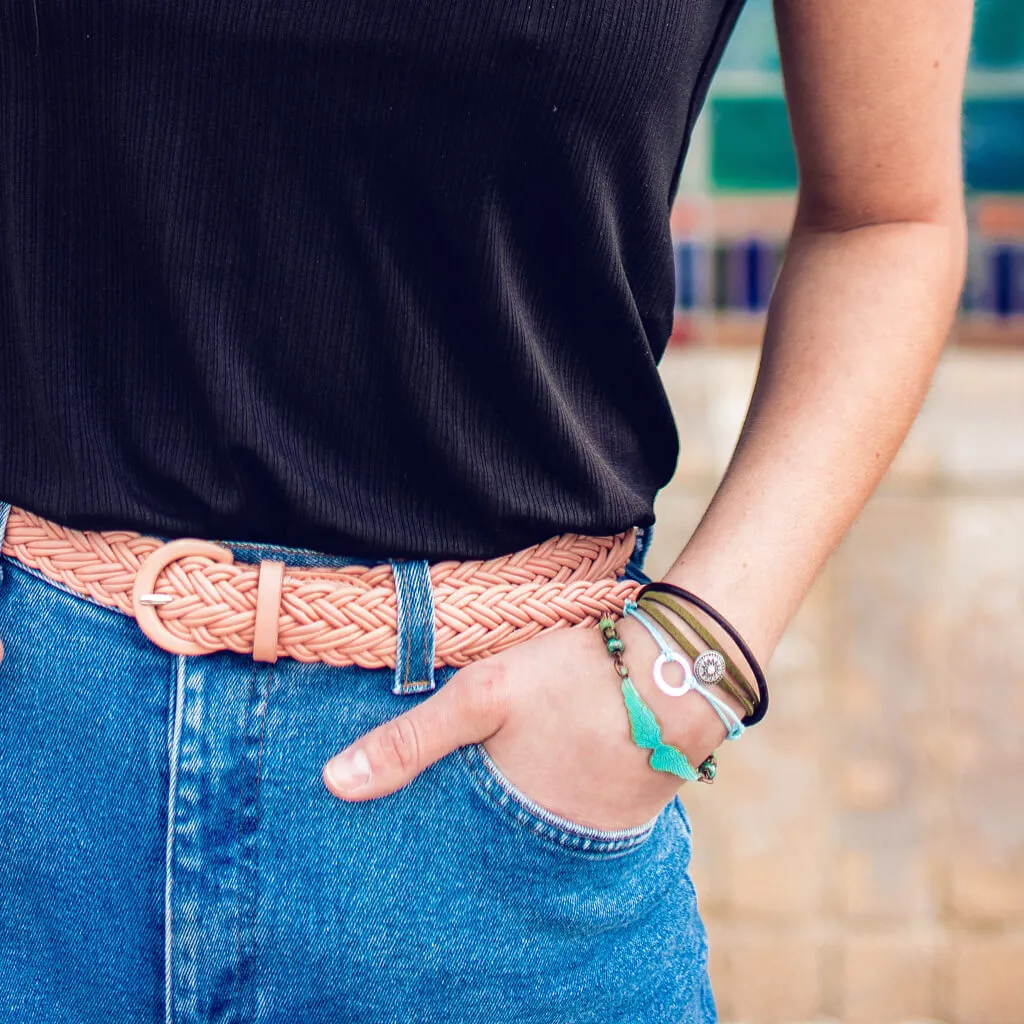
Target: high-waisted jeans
168	851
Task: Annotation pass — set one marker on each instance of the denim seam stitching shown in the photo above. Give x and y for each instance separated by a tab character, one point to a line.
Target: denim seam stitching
506	803
553	820
429	631
236	987
264	715
426	640
527	822
271	685
174	755
401	652
5	512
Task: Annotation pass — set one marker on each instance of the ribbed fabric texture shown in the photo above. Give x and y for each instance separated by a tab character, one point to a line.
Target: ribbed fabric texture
375	277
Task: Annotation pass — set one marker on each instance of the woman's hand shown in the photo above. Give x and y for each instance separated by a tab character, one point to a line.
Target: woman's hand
550	713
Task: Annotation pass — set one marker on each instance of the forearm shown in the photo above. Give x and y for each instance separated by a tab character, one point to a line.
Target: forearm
856	325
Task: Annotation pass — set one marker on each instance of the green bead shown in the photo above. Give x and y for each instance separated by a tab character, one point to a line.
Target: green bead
606	624
615	645
709	769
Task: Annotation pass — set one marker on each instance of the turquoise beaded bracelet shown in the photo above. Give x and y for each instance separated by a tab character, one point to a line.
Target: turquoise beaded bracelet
643	725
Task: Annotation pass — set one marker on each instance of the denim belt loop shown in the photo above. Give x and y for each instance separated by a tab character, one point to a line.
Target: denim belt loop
644	536
5	511
634	569
414	655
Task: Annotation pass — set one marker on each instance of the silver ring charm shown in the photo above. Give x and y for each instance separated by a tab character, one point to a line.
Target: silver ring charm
709	667
662	683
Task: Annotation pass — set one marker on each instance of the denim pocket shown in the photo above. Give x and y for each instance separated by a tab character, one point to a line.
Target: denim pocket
512	804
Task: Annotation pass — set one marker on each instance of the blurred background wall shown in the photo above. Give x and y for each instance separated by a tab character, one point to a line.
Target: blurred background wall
861	858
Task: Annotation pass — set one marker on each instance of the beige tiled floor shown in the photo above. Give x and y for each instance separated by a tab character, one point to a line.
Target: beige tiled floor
861	858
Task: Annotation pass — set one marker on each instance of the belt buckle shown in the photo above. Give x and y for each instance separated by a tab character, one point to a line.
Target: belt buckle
145	601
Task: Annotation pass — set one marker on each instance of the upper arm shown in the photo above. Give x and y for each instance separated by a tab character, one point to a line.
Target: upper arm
874	90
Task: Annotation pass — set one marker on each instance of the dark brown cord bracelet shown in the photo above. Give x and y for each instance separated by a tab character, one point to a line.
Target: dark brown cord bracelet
655	605
762	684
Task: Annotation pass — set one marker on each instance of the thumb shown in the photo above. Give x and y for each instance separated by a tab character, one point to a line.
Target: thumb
469	708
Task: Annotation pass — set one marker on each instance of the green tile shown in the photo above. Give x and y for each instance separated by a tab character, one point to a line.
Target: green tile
998	34
998	39
751	148
994	145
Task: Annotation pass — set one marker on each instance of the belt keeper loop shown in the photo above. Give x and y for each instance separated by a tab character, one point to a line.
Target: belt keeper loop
268	611
415	640
5	511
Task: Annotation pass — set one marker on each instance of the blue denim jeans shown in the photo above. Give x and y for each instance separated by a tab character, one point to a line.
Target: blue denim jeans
168	851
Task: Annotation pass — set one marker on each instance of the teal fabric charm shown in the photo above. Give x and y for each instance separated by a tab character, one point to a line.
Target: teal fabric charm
691	683
643	725
646	733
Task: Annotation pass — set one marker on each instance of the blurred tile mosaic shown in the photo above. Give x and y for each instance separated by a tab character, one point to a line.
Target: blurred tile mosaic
735	201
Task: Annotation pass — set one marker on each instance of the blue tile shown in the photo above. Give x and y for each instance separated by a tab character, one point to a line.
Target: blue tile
994	144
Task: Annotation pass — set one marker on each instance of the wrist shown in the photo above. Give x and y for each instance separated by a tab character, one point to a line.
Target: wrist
722	662
688	722
754	617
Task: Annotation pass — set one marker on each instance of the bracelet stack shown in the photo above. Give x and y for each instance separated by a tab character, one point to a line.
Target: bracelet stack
690	683
661	609
656	598
643	725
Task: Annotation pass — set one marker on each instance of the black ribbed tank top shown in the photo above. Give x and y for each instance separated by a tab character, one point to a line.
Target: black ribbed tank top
379	277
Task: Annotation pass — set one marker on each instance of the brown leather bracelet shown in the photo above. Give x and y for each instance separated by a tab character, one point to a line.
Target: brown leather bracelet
660	592
651	610
698	627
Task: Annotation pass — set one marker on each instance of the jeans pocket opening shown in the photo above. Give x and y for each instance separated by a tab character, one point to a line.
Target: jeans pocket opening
529	816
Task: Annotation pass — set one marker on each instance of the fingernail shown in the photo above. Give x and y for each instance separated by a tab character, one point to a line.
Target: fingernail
349	771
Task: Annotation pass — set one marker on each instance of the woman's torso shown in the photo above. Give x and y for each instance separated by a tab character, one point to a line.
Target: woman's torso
374	278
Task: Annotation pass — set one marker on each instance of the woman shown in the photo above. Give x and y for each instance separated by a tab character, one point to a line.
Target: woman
368	289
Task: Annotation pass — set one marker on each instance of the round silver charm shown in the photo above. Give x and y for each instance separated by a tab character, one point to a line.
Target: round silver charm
709	667
659	674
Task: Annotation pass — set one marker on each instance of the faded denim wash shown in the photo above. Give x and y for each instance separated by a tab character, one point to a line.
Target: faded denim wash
168	852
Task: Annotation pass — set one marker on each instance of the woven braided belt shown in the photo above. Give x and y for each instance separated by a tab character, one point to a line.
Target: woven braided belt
190	597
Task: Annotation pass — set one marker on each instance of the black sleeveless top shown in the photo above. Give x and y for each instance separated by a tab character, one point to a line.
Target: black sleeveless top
376	277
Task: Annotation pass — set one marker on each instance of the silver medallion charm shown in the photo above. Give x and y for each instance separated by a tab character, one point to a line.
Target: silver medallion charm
709	667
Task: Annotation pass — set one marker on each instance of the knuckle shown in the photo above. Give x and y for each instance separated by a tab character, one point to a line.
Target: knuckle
400	744
485	694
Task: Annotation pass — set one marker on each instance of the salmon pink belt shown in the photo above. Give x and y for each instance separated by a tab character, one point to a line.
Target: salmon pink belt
190	597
